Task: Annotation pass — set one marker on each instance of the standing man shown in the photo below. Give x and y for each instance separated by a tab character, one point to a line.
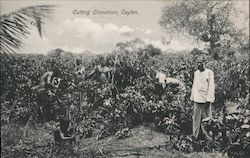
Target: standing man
48	83
203	96
101	73
80	78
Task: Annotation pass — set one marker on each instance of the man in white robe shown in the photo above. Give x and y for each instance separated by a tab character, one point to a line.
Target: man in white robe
203	95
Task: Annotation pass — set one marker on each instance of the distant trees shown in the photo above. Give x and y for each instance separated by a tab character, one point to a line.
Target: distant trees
138	45
208	21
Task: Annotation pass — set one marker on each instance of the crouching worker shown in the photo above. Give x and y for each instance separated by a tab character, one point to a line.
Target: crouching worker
63	133
178	87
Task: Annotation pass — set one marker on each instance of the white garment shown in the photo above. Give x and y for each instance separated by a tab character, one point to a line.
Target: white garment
56	82
161	78
181	87
164	80
81	71
203	87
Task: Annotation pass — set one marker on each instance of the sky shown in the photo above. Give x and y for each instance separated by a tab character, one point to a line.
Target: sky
74	26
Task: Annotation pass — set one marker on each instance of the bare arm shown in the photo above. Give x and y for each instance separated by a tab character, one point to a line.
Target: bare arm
90	75
49	79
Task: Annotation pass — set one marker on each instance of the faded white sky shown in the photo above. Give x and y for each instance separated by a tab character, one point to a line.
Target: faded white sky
100	33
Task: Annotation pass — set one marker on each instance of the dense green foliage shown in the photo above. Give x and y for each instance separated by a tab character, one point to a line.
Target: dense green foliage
130	97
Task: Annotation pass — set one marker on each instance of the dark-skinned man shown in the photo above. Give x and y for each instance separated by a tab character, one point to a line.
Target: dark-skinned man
203	95
49	82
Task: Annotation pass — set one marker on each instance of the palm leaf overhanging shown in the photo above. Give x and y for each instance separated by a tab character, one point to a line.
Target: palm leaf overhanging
15	26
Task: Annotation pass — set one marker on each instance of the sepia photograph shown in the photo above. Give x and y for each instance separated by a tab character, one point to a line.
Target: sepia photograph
125	78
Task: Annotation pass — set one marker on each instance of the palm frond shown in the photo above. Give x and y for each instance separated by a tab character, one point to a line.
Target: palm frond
15	26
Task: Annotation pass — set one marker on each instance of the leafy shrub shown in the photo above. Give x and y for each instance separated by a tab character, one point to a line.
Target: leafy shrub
130	97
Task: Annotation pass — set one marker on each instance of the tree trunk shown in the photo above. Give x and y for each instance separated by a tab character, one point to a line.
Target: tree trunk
212	39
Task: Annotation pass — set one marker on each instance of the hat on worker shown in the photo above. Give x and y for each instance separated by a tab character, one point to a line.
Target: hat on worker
201	58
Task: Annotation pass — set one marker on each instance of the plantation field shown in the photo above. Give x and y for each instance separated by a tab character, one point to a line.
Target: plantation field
124	117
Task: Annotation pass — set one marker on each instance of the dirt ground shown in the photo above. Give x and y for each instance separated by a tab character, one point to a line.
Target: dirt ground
144	142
